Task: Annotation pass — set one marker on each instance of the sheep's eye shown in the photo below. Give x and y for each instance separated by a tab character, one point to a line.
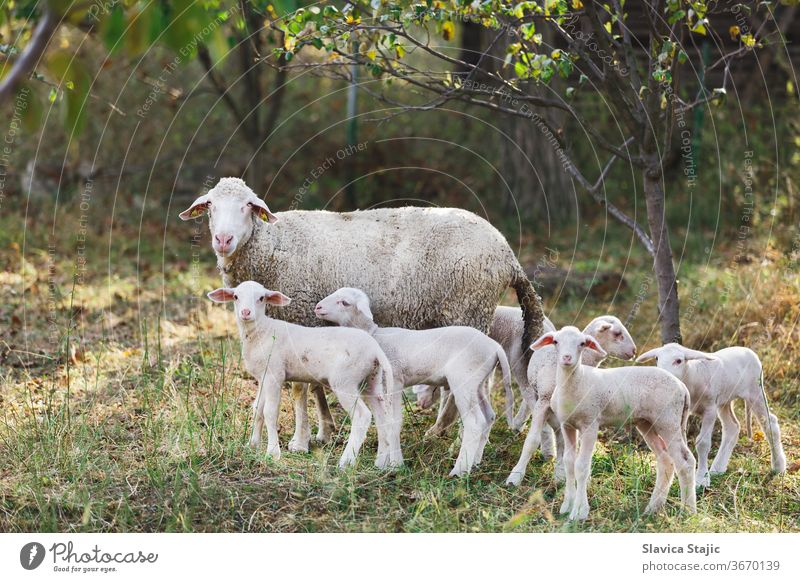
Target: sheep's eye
618	334
344	303
678	361
261	299
583	344
555	342
236	298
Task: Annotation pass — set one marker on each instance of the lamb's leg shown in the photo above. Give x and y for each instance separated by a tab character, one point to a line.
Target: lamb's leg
570	452
730	435
327	426
559	473
489	417
665	471
703	446
548	442
360	419
769	423
374	399
258	417
540	410
522	415
448	412
271	409
683	462
302	430
583	470
465	399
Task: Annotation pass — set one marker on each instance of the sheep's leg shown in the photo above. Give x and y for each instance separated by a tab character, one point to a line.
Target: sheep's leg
730	434
258	416
769	422
374	399
684	463
703	446
522	415
327	426
270	411
570	451
302	430
474	425
559	473
448	411
548	442
360	419
489	417
540	410
665	471
583	470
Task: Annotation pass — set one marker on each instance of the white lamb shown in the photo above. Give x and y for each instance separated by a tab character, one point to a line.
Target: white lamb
715	381
461	358
276	351
587	398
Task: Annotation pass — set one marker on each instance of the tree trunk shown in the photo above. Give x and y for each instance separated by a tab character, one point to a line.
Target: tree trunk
668	306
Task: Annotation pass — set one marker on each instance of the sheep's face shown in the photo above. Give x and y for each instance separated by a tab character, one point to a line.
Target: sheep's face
613	336
426	395
569	342
250	300
673	358
232	210
344	307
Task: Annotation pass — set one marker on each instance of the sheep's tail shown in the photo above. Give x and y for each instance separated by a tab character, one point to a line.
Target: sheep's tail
504	367
531	306
748	420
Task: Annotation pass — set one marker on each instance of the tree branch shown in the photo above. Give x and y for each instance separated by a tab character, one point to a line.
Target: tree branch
25	64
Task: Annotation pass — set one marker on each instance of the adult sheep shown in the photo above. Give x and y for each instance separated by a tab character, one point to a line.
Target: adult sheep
421	267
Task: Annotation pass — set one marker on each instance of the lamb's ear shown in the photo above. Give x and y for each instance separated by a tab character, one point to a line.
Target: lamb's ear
543	341
276	298
362	304
697	355
593	344
221	295
198	208
648	355
605	326
260	209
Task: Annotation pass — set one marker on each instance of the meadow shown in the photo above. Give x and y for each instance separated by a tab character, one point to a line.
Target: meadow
125	407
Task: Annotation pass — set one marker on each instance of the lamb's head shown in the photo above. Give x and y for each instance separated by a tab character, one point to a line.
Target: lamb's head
232	209
250	299
569	343
673	357
346	306
613	336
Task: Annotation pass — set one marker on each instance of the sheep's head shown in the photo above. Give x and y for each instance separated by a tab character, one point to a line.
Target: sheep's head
613	336
250	299
232	209
344	307
673	357
569	342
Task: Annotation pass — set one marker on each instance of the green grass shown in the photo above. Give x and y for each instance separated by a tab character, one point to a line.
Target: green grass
136	417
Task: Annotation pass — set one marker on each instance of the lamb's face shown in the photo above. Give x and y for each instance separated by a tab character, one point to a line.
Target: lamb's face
343	306
250	300
232	210
674	357
569	342
613	337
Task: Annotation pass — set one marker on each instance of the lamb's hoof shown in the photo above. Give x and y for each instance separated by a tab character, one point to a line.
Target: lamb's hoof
779	466
653	508
566	507
274	452
580	513
702	481
433	432
459	472
298	446
560	474
323	437
514	479
253	444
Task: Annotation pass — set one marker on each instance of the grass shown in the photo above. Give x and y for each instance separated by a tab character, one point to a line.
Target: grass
125	408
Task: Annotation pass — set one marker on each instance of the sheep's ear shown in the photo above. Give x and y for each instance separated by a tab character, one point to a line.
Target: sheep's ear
543	341
593	344
697	355
221	295
198	208
648	355
605	326
261	210
362	304
276	298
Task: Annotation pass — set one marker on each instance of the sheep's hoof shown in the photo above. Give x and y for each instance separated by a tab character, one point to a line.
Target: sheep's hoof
515	478
459	472
566	507
298	446
653	508
274	452
702	482
434	432
580	513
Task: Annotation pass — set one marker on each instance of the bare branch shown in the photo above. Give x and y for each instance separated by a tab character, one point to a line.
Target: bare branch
26	63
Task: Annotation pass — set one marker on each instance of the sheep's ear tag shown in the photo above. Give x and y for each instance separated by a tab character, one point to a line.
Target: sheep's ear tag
197	211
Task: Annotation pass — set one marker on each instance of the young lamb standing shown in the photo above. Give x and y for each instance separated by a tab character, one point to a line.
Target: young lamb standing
715	381
422	267
461	358
276	351
587	398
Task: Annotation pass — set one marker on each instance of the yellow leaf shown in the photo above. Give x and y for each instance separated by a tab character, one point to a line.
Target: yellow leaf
372	54
555	55
577	4
289	42
749	40
448	30
734	31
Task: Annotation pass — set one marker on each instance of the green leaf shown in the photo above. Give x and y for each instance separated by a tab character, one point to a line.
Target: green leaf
113	28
